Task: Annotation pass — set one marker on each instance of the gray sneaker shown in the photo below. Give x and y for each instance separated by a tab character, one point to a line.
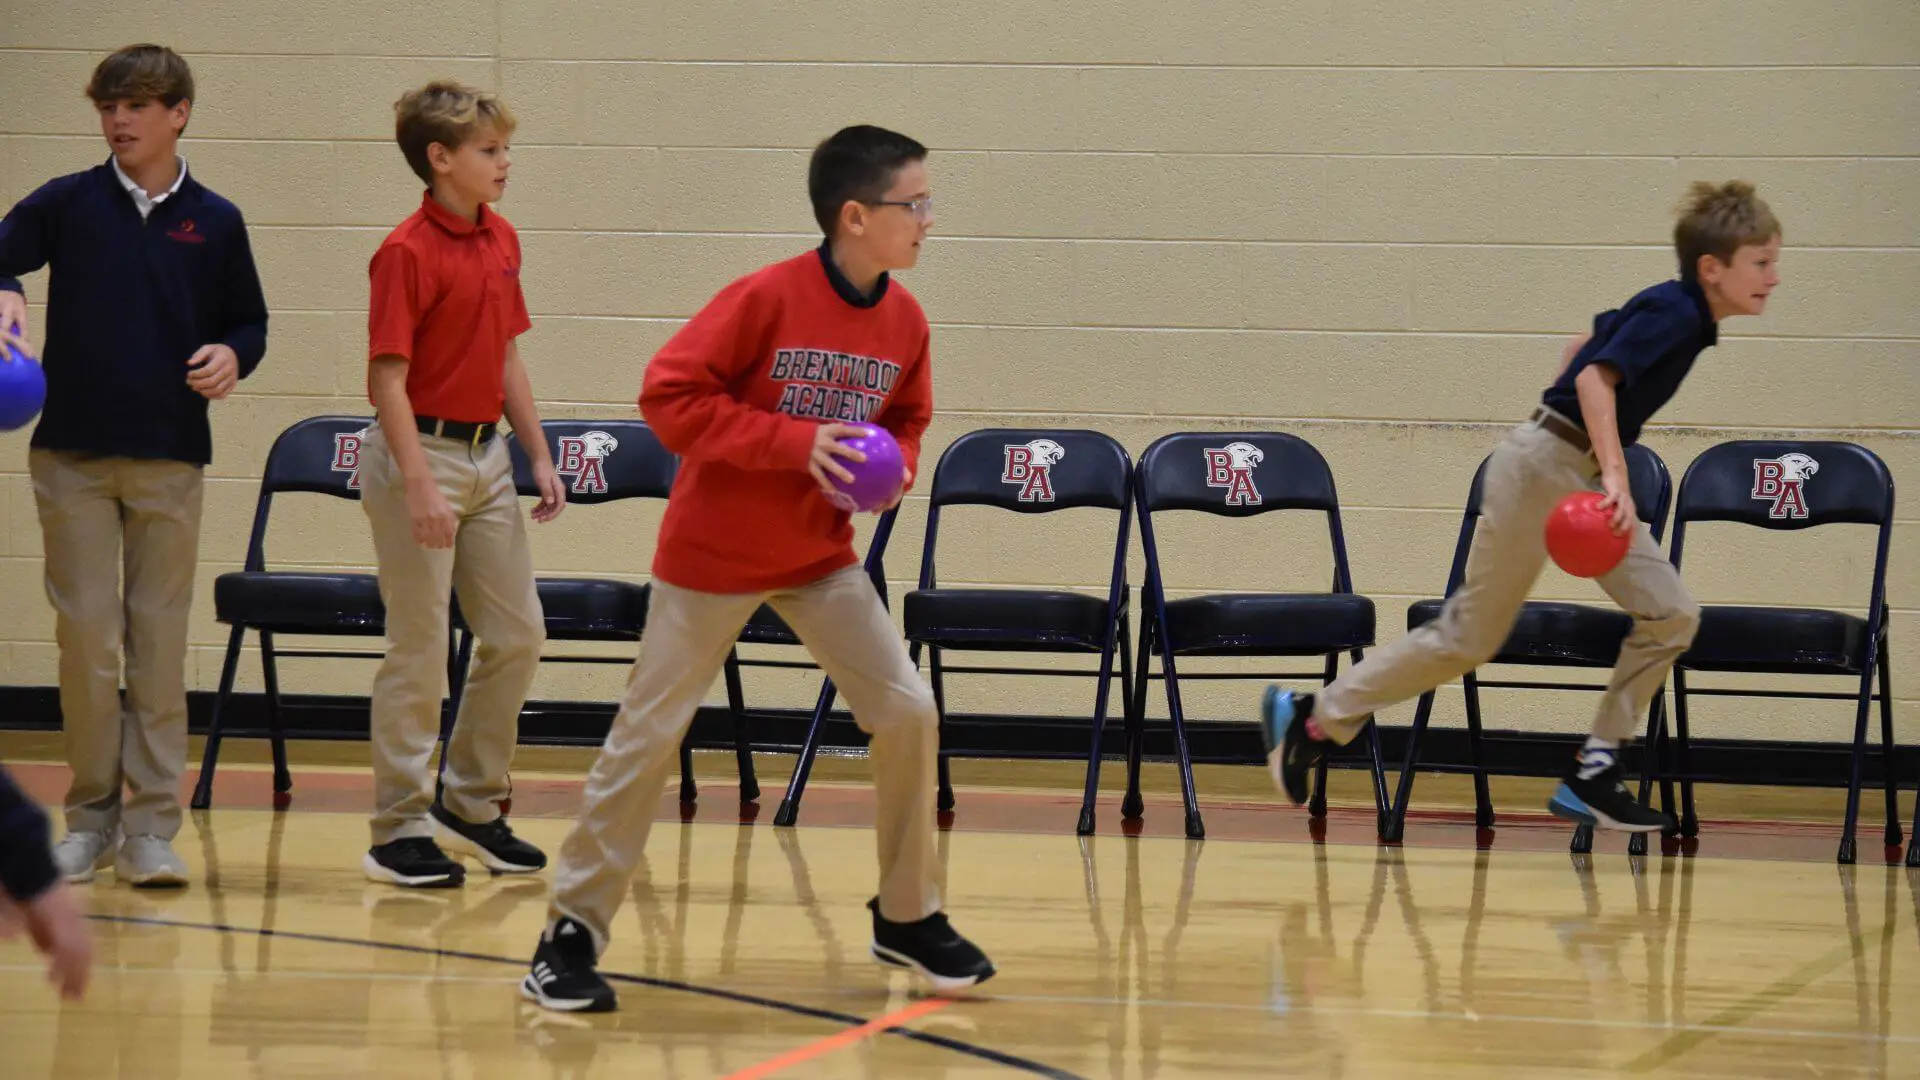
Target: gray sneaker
149	862
79	854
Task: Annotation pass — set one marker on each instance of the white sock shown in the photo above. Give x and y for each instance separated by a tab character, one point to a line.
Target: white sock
1596	756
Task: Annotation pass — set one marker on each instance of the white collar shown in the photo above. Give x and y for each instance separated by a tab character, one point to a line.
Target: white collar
141	199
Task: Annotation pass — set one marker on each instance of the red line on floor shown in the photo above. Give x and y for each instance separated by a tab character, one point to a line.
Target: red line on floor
823	1047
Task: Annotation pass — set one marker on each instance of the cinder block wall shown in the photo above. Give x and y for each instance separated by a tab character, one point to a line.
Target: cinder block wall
1370	224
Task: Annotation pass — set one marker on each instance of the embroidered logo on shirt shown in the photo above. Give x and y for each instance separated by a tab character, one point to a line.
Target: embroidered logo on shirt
186	232
1030	465
1783	481
1231	467
583	459
346	455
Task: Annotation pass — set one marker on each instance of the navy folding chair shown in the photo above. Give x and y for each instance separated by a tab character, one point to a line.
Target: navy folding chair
1545	634
321	456
1789	486
1027	471
1240	474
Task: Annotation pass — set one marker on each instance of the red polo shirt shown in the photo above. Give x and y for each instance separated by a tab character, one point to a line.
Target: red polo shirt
446	295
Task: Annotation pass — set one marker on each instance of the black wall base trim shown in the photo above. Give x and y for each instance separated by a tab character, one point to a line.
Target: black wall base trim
555	723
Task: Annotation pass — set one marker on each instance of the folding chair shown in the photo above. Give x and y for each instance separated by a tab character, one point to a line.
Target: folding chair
320	455
1791	486
1240	474
1545	634
1027	471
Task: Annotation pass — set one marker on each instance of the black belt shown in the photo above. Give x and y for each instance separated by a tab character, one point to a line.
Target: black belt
1563	428
471	434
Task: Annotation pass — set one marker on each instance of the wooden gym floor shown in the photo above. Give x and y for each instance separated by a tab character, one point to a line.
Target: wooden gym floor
1260	951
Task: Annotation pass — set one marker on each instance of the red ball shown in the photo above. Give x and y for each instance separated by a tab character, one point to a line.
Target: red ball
1579	540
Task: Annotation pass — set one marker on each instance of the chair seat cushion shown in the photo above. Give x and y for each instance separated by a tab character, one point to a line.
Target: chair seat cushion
1010	620
1549	633
1789	640
1269	624
593	609
766	627
300	603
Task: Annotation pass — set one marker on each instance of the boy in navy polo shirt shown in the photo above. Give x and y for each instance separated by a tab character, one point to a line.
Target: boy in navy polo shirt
437	487
154	309
1612	381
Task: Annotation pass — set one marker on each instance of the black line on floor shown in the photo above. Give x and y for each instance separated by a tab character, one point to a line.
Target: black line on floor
983	1053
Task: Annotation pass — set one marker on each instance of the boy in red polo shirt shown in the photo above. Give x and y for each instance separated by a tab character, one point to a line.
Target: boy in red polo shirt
438	488
754	394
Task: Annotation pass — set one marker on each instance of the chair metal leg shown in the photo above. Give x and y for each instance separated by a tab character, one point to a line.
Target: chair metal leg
270	673
1085	825
1397	816
203	787
943	802
1861	713
1177	717
789	809
1482	798
1317	802
1689	823
742	740
1889	753
1650	767
1133	807
1375	752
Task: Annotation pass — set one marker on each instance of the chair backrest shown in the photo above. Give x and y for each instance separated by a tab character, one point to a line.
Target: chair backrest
600	460
1647	477
1033	470
1237	474
1776	484
1234	474
320	454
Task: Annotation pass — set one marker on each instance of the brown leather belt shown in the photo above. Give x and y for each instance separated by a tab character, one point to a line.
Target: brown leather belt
1563	428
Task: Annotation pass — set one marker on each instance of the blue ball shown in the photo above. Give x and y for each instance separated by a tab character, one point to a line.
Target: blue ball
23	389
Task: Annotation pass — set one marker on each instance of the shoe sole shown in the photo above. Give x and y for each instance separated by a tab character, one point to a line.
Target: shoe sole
168	878
1276	758
453	843
532	992
376	872
888	958
1568	806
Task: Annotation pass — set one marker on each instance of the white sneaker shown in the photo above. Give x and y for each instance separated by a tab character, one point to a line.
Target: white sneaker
79	854
149	862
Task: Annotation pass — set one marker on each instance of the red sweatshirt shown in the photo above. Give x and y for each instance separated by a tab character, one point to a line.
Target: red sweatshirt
739	393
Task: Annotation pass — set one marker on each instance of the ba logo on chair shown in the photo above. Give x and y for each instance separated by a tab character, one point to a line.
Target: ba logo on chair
583	459
1783	480
1030	465
346	455
1231	467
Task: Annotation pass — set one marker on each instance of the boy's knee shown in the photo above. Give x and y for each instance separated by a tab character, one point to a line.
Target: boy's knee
908	707
1685	622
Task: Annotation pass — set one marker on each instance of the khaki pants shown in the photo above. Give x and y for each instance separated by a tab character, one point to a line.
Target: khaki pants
100	516
491	568
1526	478
846	628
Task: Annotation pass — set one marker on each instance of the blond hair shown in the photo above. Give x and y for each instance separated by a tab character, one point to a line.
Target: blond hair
448	113
140	72
1718	220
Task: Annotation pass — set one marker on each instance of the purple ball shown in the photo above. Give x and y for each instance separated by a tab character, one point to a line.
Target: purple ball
23	389
877	480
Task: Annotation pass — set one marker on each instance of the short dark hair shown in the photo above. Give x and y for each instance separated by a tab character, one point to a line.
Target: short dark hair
1718	220
138	72
857	163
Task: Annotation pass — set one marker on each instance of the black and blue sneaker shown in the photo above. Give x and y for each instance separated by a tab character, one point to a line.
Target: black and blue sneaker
1593	793
1291	752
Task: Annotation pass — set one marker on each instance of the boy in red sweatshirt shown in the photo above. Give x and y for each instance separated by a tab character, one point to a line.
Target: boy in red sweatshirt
754	394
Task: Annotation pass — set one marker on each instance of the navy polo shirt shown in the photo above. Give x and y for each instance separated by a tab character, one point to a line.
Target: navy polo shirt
1652	342
129	301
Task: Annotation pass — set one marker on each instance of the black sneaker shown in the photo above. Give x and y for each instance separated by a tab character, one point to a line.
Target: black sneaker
930	947
563	977
1291	752
493	844
1603	800
416	862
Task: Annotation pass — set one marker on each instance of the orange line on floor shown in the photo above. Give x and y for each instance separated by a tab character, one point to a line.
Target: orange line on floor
848	1037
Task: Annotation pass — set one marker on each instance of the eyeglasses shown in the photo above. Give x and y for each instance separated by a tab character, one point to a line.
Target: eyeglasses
921	208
